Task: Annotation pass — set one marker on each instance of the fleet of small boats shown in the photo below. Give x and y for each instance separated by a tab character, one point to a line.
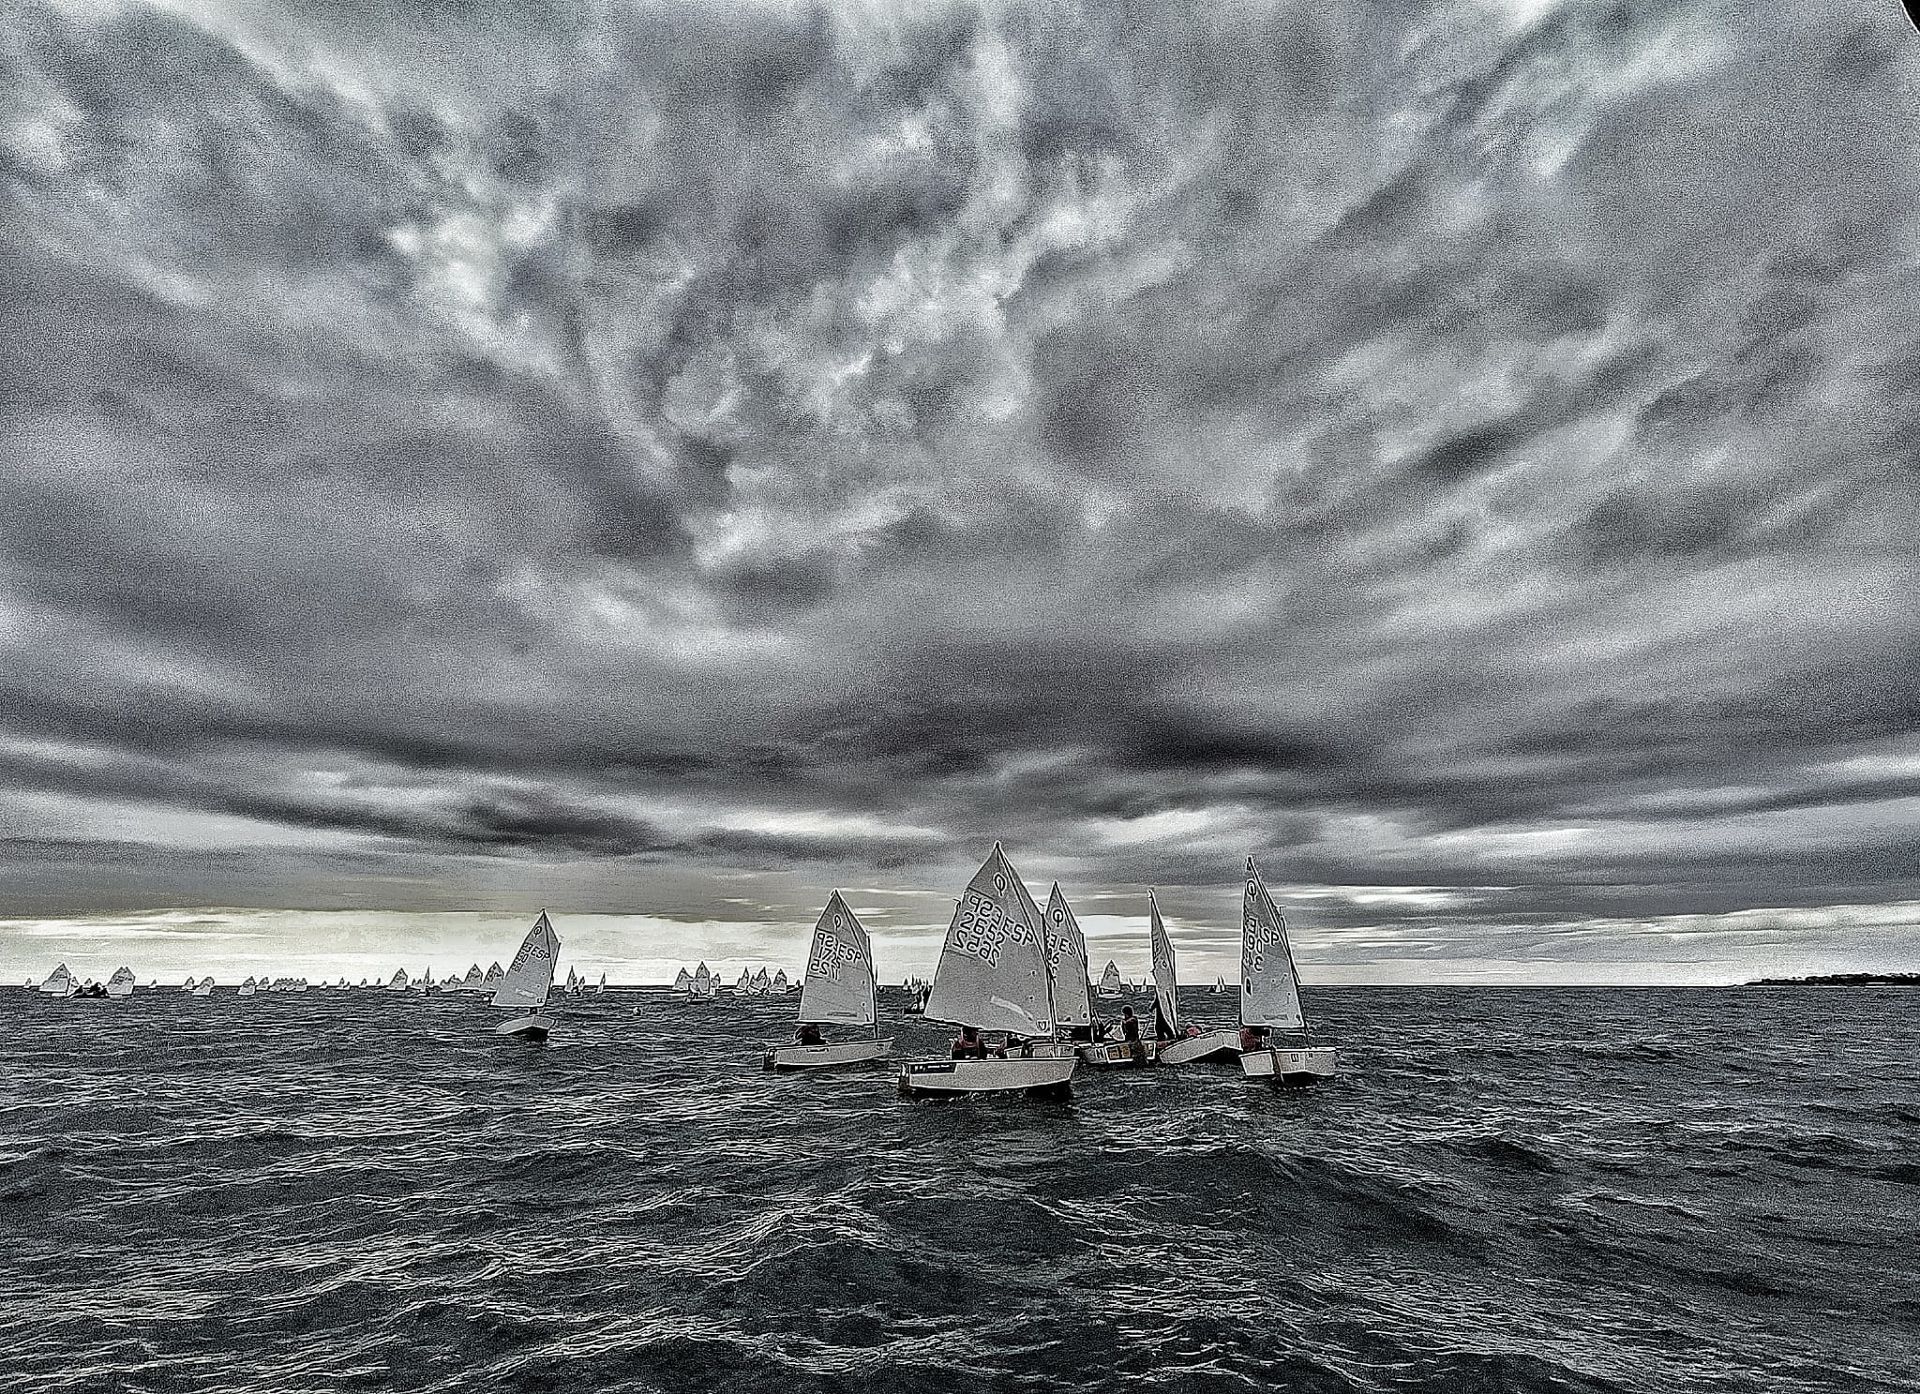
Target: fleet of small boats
1013	979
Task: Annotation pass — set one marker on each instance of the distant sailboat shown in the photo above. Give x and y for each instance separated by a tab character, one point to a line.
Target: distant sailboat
121	983
1219	984
762	984
491	982
528	982
399	982
249	988
838	988
702	989
1145	1051
993	977
601	986
743	987
204	988
470	983
779	985
60	983
683	982
1110	984
1270	993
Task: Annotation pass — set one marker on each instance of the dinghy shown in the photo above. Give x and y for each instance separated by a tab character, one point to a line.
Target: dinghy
1219	985
60	983
992	977
121	983
744	986
683	982
249	988
601	987
837	989
204	988
1110	984
491	983
1270	993
399	982
1184	1046
762	985
1124	1054
470	983
702	990
778	987
1067	969
528	982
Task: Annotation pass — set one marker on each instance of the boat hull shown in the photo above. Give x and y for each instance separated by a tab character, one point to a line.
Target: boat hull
1037	1074
1308	1065
1118	1055
526	1028
820	1057
1223	1044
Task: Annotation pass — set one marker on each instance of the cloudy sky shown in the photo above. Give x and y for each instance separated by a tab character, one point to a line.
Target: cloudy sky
665	461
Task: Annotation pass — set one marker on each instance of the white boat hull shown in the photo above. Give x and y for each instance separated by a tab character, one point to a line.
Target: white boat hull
1016	1074
1118	1055
818	1057
1223	1044
527	1028
1308	1065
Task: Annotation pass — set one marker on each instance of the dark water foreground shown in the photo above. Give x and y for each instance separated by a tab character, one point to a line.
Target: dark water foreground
1551	1190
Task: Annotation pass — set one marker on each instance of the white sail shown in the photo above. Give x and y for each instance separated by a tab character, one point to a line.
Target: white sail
1110	980
992	972
494	974
779	984
702	981
761	983
399	982
59	983
683	981
1067	958
838	986
1269	986
1166	985
470	983
1219	982
121	983
529	978
745	985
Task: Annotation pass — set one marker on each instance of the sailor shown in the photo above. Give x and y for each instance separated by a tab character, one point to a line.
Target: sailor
969	1046
1252	1038
1130	1032
809	1034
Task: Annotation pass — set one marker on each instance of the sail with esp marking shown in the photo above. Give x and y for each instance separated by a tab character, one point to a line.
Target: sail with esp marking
992	972
1166	985
837	987
529	978
1067	958
1269	984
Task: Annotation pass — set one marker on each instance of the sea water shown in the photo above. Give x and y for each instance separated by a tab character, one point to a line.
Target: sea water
1569	1190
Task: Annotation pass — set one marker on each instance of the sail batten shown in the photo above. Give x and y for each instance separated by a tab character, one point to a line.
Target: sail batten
1269	983
1166	984
838	986
529	978
993	971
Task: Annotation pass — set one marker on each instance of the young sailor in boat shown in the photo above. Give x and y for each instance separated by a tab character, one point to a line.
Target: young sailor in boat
809	1034
1252	1038
971	1047
1130	1033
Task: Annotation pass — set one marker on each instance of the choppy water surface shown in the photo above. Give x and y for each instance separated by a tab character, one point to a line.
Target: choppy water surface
1567	1190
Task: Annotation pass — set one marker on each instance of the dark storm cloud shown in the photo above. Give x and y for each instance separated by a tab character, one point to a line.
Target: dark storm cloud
1443	449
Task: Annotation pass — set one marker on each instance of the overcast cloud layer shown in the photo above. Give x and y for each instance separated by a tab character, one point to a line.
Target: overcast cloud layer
675	459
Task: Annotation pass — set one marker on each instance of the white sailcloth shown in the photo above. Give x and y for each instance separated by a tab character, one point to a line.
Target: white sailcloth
1269	986
838	986
1110	980
761	982
1166	985
992	972
683	981
529	978
703	981
1067	956
121	983
60	982
399	982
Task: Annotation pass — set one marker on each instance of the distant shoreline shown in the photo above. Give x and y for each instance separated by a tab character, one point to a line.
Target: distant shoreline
1843	980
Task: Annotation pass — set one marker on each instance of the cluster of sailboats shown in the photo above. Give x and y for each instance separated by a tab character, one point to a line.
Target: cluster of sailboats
1013	979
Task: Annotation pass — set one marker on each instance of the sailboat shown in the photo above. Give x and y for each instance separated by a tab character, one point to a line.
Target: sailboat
993	977
601	986
399	982
837	989
779	985
1110	985
1129	1054
204	988
121	983
1181	1048
702	990
1067	965
1219	985
1270	993
528	982
491	982
249	988
60	983
425	985
470	983
682	982
761	984
743	987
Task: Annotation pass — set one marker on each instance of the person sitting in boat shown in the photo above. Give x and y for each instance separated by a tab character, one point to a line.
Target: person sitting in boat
809	1034
1252	1038
969	1046
1130	1033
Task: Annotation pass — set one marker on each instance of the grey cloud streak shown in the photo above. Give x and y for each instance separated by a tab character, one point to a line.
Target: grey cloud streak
605	445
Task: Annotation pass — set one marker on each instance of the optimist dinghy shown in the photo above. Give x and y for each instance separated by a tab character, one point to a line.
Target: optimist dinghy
1110	984
204	988
703	988
249	988
682	982
1270	993
993	976
837	989
121	983
528	982
60	983
1181	1048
